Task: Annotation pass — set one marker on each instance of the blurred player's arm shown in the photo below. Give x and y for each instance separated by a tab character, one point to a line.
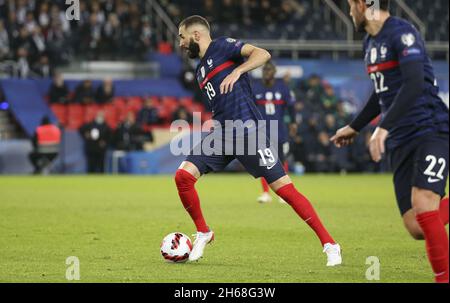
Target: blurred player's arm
346	135
256	57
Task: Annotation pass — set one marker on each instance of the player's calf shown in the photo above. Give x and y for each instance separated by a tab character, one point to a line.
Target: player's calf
185	182
426	206
411	225
286	190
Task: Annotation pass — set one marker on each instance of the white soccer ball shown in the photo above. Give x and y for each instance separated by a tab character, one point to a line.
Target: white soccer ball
176	247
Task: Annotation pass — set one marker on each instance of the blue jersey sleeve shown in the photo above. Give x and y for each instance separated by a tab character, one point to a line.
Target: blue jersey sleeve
231	47
408	45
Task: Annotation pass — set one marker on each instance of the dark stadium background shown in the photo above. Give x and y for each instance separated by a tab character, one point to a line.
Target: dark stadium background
134	44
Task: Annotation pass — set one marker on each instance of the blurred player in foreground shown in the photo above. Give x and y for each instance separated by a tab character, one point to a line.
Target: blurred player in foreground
414	127
223	79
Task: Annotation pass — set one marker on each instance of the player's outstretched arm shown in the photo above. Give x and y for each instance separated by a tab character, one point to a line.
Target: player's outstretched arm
256	57
344	136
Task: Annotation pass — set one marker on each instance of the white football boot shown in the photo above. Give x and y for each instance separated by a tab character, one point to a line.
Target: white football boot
333	252
201	239
264	198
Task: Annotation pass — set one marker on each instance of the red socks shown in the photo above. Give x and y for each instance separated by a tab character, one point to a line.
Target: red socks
265	186
188	195
443	210
304	209
436	240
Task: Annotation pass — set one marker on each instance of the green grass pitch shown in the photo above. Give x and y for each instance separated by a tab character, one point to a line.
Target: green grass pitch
115	225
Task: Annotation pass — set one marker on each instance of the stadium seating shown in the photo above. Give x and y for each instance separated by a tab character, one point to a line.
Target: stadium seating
73	116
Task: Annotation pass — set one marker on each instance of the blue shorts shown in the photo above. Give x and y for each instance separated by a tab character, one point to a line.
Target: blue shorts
259	162
422	163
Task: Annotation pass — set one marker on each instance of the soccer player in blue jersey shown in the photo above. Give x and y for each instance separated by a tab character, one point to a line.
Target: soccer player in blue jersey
222	77
414	127
275	101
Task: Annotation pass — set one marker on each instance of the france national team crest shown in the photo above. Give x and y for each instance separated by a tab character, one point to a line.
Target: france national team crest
373	55
408	39
383	51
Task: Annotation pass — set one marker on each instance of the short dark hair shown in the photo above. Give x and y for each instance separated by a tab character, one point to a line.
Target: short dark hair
195	19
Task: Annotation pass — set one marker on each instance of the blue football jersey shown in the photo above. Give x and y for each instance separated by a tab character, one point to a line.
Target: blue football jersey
221	58
274	103
399	42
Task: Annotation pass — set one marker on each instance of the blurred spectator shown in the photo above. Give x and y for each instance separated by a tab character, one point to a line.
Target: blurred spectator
4	42
57	44
229	12
112	33
23	40
182	114
129	135
43	68
107	29
46	141
342	117
323	161
96	135
84	93
23	66
37	43
149	114
91	33
330	124
105	92
58	93
43	16
329	99
147	34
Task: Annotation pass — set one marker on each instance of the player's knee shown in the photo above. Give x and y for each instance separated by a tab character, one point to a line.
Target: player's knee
424	200
184	180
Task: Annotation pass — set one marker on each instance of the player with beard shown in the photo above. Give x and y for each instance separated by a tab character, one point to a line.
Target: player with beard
414	127
223	79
